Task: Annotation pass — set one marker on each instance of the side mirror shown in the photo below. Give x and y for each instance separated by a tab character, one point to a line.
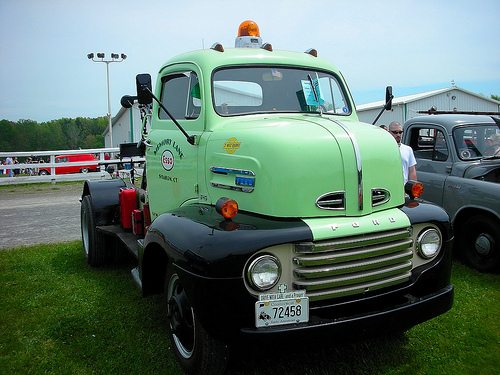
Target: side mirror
388	98
144	88
127	101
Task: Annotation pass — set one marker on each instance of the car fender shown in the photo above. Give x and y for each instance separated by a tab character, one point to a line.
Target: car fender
420	211
105	198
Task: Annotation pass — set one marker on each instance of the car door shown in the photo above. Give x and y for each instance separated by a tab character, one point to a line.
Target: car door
431	146
172	163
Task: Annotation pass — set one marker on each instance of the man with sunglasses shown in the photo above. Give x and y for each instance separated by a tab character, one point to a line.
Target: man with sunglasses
407	157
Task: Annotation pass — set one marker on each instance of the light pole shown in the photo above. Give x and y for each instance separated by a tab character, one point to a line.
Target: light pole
114	58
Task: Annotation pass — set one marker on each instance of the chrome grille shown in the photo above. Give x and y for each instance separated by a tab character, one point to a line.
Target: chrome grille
332	201
353	265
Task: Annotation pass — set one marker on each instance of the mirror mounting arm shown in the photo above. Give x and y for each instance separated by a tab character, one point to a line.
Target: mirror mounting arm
189	138
388	103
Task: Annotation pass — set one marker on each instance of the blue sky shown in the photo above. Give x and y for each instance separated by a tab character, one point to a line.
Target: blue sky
414	46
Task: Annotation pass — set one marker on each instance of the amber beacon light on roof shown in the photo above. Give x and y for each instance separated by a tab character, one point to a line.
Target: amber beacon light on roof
248	35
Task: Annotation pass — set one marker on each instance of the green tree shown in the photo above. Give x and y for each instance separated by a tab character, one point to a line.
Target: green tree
496	97
7	134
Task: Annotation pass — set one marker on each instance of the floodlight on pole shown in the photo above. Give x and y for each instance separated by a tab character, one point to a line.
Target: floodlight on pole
115	57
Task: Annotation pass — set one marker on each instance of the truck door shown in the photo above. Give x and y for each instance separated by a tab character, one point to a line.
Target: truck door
434	162
172	163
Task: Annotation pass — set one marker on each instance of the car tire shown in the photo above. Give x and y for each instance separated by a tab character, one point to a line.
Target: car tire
196	351
84	170
43	172
479	243
94	248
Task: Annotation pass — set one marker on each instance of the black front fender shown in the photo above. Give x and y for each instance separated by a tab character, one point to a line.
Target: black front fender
424	212
200	241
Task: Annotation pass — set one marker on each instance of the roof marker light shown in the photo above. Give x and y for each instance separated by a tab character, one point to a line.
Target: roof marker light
267	47
312	52
217	47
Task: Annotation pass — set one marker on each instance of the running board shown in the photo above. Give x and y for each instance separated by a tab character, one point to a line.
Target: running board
129	239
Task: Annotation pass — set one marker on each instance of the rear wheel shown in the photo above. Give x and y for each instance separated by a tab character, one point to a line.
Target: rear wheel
43	172
479	243
196	351
84	170
94	247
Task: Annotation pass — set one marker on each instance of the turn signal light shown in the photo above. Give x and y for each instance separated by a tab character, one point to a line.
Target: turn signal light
227	207
248	28
414	189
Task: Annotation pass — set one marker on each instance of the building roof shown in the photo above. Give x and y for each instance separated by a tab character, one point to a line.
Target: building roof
412	98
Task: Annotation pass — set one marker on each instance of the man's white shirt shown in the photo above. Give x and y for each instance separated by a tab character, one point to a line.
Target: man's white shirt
407	158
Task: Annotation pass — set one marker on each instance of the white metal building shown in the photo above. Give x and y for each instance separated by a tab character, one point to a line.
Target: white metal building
405	107
126	127
127	122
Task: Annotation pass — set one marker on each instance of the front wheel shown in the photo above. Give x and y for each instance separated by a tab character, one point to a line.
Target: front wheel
196	351
94	248
479	243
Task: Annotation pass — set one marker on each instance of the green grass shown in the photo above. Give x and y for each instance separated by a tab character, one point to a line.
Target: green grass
60	316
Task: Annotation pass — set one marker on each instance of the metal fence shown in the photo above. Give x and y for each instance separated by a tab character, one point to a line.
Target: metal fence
53	177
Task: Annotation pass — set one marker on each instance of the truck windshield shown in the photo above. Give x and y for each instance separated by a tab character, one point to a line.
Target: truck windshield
476	142
245	90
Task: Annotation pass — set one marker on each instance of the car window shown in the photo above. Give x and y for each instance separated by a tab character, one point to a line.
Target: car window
180	94
242	90
475	142
429	143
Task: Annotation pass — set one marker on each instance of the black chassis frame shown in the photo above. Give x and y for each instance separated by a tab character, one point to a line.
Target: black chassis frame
209	254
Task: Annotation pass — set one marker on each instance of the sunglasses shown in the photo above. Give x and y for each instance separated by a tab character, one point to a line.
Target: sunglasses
396	131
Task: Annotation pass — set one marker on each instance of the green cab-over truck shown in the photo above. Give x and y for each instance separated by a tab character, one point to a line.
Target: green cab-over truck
267	211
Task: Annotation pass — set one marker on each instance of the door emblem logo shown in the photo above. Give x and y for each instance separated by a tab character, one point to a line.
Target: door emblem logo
167	160
231	145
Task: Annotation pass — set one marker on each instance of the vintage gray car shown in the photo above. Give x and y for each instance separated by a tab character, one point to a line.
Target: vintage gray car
458	162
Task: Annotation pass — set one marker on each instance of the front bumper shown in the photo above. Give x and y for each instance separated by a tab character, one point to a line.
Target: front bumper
395	318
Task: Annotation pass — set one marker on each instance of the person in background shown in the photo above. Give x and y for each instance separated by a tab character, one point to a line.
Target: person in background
8	161
17	171
407	157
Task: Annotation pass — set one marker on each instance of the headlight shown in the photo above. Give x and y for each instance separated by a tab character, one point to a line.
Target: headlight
429	243
264	272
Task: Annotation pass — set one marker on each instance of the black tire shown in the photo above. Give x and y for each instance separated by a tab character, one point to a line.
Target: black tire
94	247
479	243
196	351
43	172
84	170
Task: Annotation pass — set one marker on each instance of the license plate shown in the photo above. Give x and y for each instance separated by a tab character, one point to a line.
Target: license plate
278	308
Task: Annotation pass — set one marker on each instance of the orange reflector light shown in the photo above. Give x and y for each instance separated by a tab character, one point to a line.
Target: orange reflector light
248	28
227	207
417	189
414	189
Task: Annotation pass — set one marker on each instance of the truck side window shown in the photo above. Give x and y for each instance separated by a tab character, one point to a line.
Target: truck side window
180	94
429	144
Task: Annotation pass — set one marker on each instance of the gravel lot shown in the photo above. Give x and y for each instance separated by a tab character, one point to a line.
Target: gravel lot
39	213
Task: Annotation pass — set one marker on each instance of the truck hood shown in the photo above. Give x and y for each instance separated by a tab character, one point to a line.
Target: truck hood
486	169
304	166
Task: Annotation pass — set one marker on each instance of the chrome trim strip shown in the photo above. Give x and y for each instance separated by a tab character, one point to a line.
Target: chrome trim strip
229	187
358	162
387	197
323	205
222	170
